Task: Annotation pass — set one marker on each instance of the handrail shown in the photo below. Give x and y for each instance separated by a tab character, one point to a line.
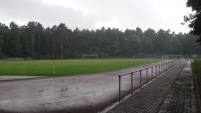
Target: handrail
143	68
160	68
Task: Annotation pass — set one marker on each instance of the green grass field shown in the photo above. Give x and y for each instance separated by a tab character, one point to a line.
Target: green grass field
67	67
197	71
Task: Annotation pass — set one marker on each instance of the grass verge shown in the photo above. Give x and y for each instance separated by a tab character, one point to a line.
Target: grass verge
196	65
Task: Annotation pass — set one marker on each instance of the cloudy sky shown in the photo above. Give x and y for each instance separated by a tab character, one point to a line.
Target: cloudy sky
93	14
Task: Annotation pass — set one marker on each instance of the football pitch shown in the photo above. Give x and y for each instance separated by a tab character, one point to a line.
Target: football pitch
68	67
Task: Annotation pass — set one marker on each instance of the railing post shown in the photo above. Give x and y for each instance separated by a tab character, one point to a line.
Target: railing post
168	65
119	88
159	69
147	74
156	70
163	67
131	82
140	79
152	72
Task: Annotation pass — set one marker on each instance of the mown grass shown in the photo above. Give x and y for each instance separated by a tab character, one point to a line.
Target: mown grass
197	71
67	67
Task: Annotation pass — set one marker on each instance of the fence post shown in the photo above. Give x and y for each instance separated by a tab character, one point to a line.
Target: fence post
131	82
140	79
168	65
152	72
159	69
164	67
147	74
119	88
156	70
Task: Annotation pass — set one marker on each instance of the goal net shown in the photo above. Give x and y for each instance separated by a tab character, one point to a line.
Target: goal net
89	56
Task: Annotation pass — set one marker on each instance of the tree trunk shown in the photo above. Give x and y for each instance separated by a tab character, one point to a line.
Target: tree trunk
61	48
33	41
39	46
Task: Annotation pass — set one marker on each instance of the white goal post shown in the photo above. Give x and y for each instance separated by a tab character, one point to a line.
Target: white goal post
172	56
89	56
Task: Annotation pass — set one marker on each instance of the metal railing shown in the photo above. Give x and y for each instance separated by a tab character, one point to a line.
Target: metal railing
159	69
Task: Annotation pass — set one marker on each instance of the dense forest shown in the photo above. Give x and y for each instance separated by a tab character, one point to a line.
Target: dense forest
36	42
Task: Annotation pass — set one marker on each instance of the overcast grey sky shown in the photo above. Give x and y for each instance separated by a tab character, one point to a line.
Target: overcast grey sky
93	14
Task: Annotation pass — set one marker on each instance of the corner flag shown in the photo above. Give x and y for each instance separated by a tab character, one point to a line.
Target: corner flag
54	64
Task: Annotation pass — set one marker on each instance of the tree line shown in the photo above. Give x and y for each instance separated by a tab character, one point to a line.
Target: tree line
194	19
36	42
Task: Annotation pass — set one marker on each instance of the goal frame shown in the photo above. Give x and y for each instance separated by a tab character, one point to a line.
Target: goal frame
94	56
172	56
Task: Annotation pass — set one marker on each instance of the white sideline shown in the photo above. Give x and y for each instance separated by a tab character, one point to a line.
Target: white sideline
13	77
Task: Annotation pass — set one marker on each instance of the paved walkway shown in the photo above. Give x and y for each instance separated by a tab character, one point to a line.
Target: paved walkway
172	92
